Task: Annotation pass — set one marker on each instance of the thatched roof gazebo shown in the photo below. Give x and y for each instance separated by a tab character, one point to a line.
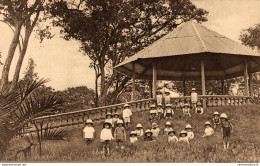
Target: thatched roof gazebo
192	52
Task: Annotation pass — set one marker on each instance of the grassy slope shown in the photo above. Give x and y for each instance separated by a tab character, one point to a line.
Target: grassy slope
245	142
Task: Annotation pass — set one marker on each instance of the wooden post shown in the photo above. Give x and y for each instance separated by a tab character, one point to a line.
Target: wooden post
133	89
150	89
184	88
154	81
251	85
222	86
246	79
203	82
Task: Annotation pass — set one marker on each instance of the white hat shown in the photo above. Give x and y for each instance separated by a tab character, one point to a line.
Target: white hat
171	131
153	106
159	104
120	121
133	133
193	89
107	122
148	131
215	113
183	132
188	126
154	125
126	105
223	115
186	104
89	121
139	125
153	112
168	123
207	123
168	105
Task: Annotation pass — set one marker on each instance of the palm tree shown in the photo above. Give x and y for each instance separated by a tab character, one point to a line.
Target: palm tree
21	105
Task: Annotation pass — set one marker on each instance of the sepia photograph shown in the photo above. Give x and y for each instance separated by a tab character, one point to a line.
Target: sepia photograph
129	81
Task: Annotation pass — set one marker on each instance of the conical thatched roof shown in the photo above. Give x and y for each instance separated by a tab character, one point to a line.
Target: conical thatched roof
179	53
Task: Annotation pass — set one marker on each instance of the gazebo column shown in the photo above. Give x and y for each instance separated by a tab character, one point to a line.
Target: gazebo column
246	79
184	87
133	89
154	81
251	85
222	86
203	82
150	88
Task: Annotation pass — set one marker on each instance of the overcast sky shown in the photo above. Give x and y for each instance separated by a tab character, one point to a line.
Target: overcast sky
61	61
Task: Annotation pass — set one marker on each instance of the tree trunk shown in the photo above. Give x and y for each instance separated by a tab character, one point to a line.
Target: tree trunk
28	32
102	86
96	88
10	55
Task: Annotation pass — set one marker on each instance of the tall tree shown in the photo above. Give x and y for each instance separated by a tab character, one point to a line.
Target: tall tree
110	31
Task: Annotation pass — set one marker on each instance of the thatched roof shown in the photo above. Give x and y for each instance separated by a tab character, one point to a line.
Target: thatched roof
179	53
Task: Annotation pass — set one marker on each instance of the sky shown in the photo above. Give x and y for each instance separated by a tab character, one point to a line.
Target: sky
62	63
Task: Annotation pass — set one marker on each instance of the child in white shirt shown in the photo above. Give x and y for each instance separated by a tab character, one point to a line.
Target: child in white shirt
155	130
127	113
139	130
190	134
159	97
168	113
208	130
186	110
168	128
172	137
167	98
106	136
183	137
160	111
133	137
194	97
89	131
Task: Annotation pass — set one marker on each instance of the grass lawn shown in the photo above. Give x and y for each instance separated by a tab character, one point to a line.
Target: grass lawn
244	147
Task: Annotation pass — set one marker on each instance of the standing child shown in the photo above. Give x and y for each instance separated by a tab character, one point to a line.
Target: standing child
183	137
106	136
160	111
153	113
168	113
199	108
167	98
127	113
168	128
186	110
109	118
89	132
172	137
208	130
190	133
226	128
159	97
155	130
120	134
139	130
115	119
133	137
216	119
194	98
148	135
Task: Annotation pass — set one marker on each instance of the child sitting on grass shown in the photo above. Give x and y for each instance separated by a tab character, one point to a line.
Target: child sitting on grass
155	130
168	113
226	128
89	131
139	130
127	113
183	137
208	130
106	136
159	111
172	137
153	113
148	135
133	137
186	110
199	109
168	128
120	134
216	119
190	134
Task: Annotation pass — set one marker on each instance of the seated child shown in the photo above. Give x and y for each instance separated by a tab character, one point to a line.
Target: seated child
148	135
106	136
216	120
168	113
155	130
115	119
153	113
199	109
133	137
190	134
208	130
160	111
168	128
89	131
172	137
120	133
127	113
226	128
186	110
183	137
139	130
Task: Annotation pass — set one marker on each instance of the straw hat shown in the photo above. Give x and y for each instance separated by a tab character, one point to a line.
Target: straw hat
89	121
126	105
207	123
148	131
107	123
116	114
168	105
139	125
183	132
153	106
109	114
159	104
215	113
154	125
223	115
120	121
186	105
168	123
193	89
171	131
188	126
133	133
